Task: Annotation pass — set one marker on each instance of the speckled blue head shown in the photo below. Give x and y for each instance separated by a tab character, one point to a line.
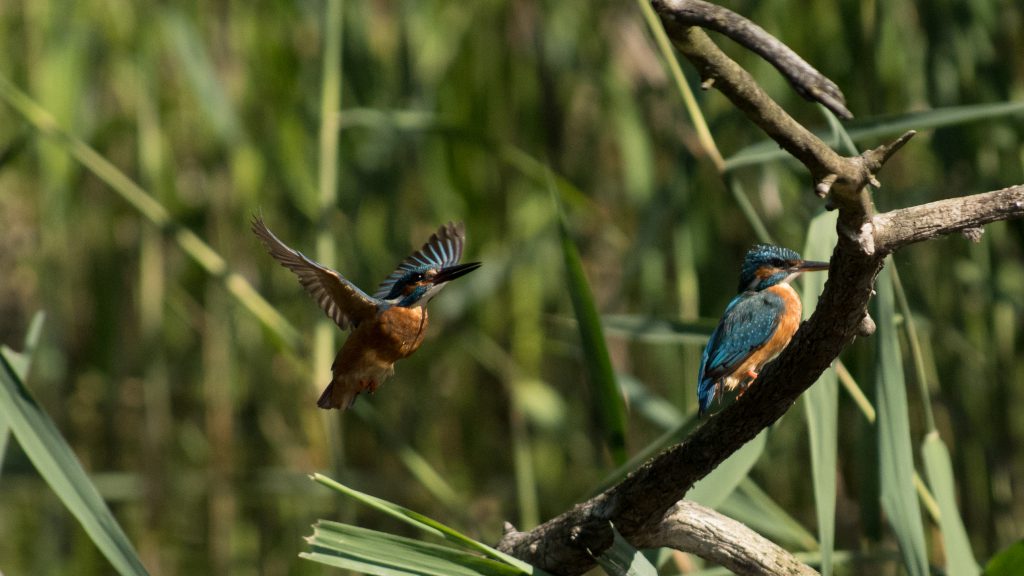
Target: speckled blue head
765	266
422	275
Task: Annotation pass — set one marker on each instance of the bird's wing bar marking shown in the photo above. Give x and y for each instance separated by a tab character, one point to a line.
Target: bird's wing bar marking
340	299
442	250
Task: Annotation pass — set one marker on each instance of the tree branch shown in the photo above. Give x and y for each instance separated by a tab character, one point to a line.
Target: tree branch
693	528
804	78
638	505
560	544
898	228
843	179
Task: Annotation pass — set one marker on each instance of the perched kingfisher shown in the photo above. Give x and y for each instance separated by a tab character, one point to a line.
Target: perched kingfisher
387	326
757	325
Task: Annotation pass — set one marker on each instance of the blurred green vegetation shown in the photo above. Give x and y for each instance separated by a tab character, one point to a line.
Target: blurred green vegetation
197	420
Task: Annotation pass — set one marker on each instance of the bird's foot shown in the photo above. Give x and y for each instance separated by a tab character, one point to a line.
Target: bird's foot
751	376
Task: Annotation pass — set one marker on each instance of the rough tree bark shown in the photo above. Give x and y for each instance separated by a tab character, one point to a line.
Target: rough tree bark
645	507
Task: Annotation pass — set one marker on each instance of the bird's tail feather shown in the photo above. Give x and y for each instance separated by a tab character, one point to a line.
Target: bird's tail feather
344	401
707	390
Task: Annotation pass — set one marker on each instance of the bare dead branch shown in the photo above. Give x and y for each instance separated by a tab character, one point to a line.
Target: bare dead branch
877	157
805	79
638	505
643	497
842	178
693	528
899	228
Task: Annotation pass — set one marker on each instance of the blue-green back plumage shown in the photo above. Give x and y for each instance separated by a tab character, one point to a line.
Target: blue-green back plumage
752	318
749	321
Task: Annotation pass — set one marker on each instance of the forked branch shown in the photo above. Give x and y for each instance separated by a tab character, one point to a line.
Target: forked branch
643	502
804	78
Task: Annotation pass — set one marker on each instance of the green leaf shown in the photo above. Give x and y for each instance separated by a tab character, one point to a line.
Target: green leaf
1008	562
425	523
713	489
821	402
622	559
57	464
21	363
607	396
959	556
896	456
373	552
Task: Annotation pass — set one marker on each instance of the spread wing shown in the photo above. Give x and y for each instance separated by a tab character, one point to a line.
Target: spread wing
340	299
749	321
442	250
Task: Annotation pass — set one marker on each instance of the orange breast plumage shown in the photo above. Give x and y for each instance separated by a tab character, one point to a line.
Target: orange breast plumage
368	357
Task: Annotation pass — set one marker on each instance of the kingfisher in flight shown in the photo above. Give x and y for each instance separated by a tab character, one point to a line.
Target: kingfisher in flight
387	326
756	326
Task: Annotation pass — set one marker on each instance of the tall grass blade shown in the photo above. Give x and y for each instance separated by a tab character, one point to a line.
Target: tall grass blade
191	244
960	559
327	196
607	396
57	464
749	212
959	556
424	523
768	151
895	452
652	407
707	141
373	552
186	44
713	489
754	507
622	559
821	402
21	363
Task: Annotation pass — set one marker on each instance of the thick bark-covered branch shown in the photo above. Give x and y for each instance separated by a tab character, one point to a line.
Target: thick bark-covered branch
693	528
644	496
638	505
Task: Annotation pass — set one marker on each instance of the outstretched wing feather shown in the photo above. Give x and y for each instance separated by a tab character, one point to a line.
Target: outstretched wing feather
340	299
442	250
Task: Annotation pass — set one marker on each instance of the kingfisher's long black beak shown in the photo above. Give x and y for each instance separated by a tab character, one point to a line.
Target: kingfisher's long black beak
453	272
808	266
